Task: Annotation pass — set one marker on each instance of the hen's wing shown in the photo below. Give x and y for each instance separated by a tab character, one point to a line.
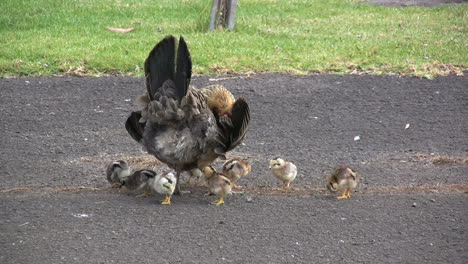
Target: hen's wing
234	128
134	127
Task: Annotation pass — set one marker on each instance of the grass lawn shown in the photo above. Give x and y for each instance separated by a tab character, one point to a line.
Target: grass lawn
56	37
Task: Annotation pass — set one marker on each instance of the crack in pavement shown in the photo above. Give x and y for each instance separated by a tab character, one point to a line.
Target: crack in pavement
272	191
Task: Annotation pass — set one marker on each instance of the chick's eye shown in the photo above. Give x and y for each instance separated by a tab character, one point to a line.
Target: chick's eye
169	181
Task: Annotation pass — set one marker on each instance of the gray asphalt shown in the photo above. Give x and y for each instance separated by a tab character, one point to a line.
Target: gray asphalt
57	134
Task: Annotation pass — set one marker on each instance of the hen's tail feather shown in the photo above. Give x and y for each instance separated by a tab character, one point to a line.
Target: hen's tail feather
134	127
159	66
183	72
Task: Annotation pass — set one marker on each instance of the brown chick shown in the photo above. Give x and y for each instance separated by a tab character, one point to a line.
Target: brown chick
343	178
217	183
236	168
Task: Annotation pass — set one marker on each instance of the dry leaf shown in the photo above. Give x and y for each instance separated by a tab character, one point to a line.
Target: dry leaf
120	30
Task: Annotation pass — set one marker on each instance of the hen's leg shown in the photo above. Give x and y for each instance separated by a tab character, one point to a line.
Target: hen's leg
177	186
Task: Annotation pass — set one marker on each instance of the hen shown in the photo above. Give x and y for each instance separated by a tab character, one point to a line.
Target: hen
184	127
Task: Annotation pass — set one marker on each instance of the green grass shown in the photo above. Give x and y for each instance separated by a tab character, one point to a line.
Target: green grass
56	37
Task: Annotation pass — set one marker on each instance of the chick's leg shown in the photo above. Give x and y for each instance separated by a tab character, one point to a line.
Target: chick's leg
344	195
167	200
145	194
348	194
220	201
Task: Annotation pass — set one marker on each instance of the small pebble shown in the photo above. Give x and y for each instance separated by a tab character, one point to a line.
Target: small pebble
249	199
221	222
414	205
432	200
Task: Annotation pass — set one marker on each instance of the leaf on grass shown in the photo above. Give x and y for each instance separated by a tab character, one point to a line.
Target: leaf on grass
120	30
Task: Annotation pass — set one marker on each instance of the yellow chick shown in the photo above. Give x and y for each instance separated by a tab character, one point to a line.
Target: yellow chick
165	184
283	170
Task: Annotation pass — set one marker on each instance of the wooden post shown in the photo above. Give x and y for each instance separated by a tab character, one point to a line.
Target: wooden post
231	17
223	14
214	13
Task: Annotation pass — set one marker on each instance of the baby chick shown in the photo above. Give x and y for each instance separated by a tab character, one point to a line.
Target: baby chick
115	171
343	178
164	183
236	168
139	181
217	183
194	172
283	170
